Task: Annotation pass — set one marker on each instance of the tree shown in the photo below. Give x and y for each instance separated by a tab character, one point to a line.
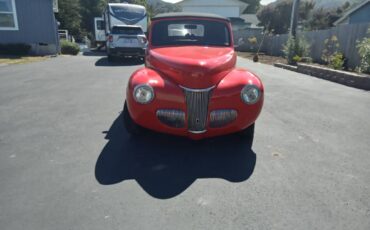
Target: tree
144	3
306	8
89	9
70	18
275	17
159	7
324	18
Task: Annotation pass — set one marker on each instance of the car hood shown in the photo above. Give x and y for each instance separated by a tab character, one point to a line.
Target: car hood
193	66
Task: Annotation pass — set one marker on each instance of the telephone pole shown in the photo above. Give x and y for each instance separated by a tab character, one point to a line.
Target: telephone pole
294	18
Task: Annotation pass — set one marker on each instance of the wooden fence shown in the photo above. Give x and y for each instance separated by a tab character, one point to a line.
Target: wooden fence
347	35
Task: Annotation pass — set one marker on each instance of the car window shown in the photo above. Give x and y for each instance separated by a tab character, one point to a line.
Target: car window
127	30
190	32
184	29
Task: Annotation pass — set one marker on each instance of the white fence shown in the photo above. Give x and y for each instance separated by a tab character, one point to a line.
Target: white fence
347	36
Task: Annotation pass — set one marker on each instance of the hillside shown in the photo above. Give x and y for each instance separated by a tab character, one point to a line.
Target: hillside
162	7
327	4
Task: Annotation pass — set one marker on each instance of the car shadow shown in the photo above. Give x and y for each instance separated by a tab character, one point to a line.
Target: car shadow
165	166
103	62
94	53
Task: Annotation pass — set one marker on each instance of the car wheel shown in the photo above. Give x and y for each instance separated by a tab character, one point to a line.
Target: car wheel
130	125
248	133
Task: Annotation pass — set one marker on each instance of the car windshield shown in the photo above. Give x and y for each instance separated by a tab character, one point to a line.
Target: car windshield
190	32
127	30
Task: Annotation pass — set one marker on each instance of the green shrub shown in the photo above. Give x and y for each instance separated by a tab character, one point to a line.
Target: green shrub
331	49
296	47
20	49
252	40
69	47
363	48
289	50
331	55
250	43
336	61
297	58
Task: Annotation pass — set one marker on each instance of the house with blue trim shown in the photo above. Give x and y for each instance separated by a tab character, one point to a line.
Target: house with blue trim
30	22
356	15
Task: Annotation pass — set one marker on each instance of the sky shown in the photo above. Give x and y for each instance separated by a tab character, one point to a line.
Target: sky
263	2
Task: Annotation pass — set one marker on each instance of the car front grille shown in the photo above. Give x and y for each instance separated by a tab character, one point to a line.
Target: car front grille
171	117
197	108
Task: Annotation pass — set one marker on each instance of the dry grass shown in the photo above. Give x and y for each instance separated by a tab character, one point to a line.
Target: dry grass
10	60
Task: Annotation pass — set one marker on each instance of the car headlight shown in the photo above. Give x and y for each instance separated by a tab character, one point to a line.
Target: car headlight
143	94
250	94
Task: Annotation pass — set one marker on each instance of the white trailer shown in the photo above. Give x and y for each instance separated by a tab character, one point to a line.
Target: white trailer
116	14
100	36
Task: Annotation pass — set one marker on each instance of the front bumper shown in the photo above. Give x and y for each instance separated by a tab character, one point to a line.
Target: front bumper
127	51
170	100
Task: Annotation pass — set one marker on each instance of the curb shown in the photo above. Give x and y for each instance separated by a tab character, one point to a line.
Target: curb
359	81
285	66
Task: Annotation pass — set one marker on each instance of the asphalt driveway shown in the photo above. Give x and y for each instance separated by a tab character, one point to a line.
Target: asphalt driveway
67	163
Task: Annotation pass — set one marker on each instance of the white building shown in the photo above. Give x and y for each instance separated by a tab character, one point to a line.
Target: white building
226	8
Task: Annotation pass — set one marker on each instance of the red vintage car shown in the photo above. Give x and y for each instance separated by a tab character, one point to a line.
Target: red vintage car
190	85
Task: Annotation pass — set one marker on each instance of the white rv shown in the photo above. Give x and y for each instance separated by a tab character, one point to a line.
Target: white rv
118	14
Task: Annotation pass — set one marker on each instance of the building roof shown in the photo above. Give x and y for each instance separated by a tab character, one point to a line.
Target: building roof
243	5
351	11
188	15
250	18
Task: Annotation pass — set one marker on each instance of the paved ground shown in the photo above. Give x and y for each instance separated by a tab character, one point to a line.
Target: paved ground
66	162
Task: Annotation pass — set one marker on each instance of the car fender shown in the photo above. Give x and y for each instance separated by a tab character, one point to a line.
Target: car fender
227	95
167	95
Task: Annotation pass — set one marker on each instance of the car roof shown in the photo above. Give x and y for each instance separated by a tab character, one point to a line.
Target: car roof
188	15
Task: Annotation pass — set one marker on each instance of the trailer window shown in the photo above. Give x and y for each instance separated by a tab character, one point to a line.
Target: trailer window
100	25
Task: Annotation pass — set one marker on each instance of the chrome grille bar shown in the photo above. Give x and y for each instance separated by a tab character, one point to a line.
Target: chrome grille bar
197	108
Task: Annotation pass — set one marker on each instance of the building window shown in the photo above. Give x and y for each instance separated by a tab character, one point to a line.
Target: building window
8	15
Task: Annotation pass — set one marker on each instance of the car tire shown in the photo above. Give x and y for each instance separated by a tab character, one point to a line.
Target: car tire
130	125
248	133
